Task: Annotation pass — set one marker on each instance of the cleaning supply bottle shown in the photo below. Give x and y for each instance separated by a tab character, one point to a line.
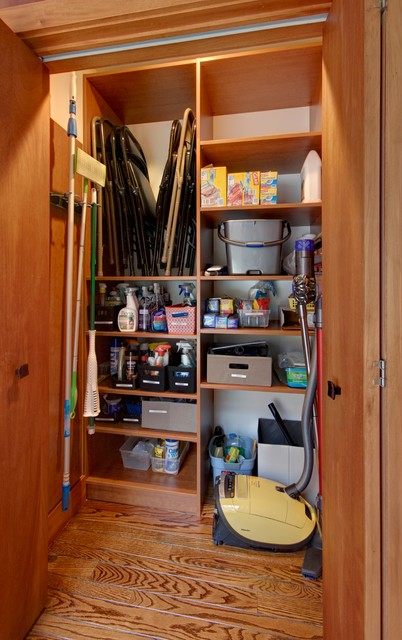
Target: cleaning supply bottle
143	313
311	178
187	289
114	356
127	319
162	355
187	358
158	315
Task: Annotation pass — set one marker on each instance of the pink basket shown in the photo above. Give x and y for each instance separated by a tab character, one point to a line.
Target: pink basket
181	319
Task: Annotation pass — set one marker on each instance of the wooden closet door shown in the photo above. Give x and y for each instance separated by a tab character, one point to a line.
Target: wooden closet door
351	322
392	318
24	383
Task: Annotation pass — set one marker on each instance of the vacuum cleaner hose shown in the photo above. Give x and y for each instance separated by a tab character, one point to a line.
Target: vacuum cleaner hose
306	427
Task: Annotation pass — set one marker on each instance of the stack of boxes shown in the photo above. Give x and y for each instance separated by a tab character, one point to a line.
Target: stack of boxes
245	188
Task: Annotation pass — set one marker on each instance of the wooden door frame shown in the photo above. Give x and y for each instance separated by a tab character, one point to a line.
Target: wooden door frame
391	326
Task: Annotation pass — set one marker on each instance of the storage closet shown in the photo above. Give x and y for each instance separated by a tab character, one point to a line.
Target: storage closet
249	85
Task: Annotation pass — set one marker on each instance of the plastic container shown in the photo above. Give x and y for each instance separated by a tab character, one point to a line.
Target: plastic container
244	467
172	467
136	454
254	318
296	377
253	246
171	455
311	178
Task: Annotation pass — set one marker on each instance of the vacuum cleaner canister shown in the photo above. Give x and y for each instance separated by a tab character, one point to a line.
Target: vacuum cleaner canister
257	513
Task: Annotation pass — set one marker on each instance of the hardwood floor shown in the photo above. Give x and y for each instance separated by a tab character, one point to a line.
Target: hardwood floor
123	573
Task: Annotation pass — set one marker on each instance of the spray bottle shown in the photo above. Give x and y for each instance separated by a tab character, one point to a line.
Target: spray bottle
187	354
127	319
162	355
187	289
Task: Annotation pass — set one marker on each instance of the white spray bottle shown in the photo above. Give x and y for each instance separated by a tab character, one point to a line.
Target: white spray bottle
127	319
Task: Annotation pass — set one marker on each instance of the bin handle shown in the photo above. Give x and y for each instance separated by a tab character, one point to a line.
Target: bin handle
253	243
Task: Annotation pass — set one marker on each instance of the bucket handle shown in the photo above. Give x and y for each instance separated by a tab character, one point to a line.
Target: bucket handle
255	244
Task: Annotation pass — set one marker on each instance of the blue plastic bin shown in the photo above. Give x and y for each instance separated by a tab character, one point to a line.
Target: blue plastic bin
245	467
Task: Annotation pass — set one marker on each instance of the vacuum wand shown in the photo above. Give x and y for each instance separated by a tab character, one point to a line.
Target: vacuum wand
304	289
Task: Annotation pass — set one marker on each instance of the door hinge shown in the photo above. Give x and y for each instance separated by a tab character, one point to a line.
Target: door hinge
380	365
381	4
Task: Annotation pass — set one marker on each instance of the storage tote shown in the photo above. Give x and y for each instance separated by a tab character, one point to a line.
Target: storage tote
245	467
254	246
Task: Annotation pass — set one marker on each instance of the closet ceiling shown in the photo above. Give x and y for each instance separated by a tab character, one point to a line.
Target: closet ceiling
156	30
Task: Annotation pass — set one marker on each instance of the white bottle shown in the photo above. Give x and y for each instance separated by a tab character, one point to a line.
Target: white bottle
127	319
311	178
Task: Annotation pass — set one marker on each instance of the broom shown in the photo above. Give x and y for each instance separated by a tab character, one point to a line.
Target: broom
72	134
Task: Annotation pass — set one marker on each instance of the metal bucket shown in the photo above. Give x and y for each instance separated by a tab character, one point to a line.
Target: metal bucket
254	246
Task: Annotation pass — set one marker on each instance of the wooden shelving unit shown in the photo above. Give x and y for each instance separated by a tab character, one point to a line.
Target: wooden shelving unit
277	78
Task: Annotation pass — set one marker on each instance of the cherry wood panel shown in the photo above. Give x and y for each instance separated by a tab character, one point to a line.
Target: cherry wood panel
50	27
119	571
351	314
285	153
24	337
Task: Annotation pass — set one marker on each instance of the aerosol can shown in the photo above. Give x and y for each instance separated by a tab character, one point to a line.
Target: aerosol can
187	354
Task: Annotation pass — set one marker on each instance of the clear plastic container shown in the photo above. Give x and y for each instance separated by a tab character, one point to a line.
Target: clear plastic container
254	318
136	454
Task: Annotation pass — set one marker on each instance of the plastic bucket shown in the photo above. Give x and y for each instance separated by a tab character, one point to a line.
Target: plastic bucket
254	246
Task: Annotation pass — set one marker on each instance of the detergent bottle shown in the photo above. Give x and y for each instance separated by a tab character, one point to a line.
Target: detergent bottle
311	178
127	319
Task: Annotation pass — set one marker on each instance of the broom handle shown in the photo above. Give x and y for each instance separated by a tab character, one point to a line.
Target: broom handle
94	213
72	134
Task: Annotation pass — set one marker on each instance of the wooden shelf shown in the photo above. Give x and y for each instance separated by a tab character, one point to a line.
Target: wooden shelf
296	213
146	334
276	388
110	470
123	429
273	330
108	388
282	153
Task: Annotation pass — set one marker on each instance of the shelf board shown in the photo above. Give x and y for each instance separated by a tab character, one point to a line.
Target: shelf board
247	277
282	153
273	330
111	472
123	429
142	278
276	388
146	334
108	388
296	213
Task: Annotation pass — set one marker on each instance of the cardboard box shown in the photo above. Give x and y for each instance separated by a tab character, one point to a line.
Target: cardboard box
279	461
243	188
243	370
172	416
289	319
269	187
213	186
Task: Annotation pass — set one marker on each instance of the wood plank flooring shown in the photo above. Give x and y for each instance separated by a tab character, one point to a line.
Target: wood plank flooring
124	573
